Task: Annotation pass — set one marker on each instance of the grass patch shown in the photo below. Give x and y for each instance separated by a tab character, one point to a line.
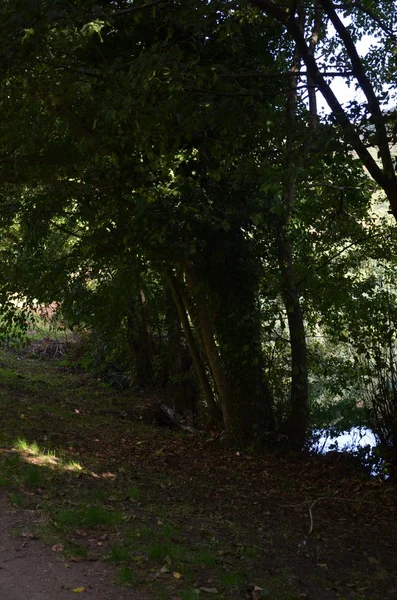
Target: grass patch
125	576
159	551
248	553
91	516
32	476
232	579
76	551
22	445
170	532
6	476
135	493
10	378
202	557
16	532
119	553
16	500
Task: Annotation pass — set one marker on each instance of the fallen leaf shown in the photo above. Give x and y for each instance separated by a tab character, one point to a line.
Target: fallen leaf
158	573
58	548
209	590
138	558
81	532
164	569
177	575
78	590
28	534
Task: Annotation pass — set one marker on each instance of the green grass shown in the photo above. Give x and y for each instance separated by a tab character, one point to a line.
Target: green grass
10	378
16	500
22	445
33	476
91	516
232	579
202	557
6	475
76	551
248	553
125	576
135	493
119	553
160	550
170	532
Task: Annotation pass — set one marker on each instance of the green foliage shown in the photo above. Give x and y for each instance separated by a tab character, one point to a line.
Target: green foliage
157	141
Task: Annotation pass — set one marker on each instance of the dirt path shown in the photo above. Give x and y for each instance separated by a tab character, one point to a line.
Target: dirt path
30	570
168	515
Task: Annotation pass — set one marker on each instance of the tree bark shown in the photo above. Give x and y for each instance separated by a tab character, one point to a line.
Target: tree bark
230	273
138	343
212	407
297	420
207	332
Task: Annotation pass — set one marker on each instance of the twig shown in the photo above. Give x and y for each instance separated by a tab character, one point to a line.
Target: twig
126	11
312	505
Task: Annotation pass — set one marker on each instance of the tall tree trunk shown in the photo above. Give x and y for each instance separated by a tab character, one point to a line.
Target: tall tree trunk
137	339
146	325
211	350
230	273
178	378
297	420
212	407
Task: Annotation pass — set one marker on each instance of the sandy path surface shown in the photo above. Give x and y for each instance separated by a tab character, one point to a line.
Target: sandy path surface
31	571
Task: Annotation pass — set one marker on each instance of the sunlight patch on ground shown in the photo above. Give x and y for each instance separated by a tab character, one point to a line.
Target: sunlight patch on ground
31	453
73	466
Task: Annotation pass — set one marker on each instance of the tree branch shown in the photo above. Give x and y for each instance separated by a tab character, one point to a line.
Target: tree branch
370	14
366	86
386	179
126	11
261	75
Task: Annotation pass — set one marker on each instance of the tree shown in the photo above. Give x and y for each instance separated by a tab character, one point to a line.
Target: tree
131	118
362	124
170	148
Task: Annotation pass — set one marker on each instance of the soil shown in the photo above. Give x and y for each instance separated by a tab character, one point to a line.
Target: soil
29	570
245	525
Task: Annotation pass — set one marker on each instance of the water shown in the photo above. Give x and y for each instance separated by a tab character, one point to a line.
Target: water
346	441
360	441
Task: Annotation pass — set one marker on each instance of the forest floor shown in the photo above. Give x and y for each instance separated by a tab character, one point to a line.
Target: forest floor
95	502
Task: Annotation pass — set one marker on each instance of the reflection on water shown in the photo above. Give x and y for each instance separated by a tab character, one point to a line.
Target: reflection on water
359	441
347	441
